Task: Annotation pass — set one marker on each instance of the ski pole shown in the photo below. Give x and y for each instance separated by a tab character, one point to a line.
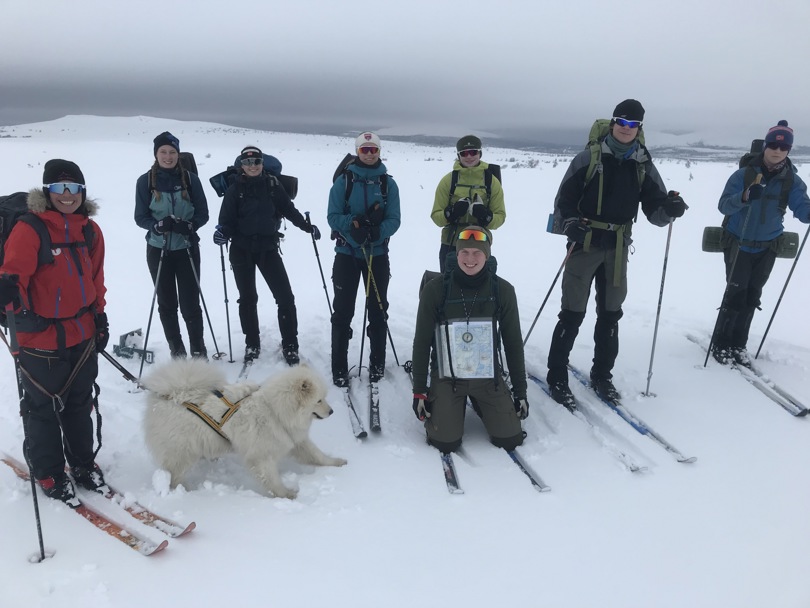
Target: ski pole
658	311
152	309
227	313
217	355
553	283
15	353
729	276
318	258
380	304
124	371
779	301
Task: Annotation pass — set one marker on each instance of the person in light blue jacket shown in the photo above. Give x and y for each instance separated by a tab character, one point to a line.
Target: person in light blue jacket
363	214
754	201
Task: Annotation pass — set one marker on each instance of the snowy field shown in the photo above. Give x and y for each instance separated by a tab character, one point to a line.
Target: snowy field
727	530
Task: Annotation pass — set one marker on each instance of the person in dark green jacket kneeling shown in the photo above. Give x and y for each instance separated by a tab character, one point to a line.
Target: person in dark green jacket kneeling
463	315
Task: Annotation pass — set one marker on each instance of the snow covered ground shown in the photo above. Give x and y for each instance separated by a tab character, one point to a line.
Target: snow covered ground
383	531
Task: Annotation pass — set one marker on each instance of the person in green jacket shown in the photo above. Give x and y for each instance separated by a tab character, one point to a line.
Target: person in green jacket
463	197
463	315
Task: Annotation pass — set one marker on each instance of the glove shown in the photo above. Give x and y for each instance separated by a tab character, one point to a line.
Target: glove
754	192
373	234
359	230
102	331
219	236
182	227
522	408
576	229
313	230
481	212
9	291
420	406
456	210
674	205
375	214
164	225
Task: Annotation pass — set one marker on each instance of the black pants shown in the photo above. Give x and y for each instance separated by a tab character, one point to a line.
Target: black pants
742	297
177	279
244	264
346	273
50	444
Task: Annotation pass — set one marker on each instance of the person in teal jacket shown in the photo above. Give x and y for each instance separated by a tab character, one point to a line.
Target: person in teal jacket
754	201
363	214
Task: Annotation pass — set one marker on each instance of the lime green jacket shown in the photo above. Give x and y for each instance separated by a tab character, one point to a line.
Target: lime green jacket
470	183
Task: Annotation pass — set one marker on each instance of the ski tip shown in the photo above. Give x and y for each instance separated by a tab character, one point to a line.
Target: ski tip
689	460
189	528
543	489
456	491
639	469
152	549
361	435
802	413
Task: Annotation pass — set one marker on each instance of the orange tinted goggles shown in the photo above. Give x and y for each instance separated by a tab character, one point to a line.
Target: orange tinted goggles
472	235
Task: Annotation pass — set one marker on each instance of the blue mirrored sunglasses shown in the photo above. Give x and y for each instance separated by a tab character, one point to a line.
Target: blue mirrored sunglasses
622	122
63	187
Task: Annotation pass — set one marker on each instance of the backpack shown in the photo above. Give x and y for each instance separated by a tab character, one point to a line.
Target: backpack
343	169
599	131
747	161
272	166
491	171
187	162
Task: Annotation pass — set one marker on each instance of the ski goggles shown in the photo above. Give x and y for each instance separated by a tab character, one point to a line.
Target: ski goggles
623	122
63	187
472	235
251	162
368	150
775	146
466	153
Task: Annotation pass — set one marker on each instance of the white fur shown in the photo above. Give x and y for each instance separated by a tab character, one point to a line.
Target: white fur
273	420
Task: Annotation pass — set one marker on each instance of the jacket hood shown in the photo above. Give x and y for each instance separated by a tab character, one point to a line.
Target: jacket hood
38	203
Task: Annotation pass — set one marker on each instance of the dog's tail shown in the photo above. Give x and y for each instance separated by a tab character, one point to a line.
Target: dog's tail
184	376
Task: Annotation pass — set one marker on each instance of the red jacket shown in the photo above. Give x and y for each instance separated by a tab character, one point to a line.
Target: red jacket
58	290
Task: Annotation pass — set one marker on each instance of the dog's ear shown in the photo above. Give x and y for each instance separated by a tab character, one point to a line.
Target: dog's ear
307	387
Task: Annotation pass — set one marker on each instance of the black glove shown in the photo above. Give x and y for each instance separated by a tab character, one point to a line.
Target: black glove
182	227
9	291
481	212
359	230
420	406
576	229
219	236
102	331
164	225
457	210
313	230
373	234
674	205
375	214
522	408
754	192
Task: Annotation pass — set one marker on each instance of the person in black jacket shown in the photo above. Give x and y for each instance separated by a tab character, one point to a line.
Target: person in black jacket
598	218
251	211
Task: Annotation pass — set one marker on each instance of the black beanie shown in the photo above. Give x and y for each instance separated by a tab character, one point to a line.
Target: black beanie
629	109
166	139
468	142
58	170
250	152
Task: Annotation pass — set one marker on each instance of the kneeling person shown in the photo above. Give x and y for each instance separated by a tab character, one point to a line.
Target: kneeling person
462	316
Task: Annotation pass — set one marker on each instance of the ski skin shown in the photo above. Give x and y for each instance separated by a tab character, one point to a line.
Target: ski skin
634	421
120	533
764	385
450	475
625	459
374	407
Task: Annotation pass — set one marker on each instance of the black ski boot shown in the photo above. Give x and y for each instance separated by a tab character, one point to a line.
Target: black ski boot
90	478
177	349
561	393
605	389
290	353
59	487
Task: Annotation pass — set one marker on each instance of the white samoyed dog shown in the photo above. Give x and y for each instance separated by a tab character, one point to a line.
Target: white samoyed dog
272	420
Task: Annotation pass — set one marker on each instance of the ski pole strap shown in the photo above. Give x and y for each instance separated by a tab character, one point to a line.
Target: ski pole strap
619	229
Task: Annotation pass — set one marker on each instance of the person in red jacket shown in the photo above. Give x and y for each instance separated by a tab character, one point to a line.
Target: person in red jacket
61	325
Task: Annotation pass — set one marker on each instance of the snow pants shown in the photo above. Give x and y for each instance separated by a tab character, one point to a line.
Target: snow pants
49	441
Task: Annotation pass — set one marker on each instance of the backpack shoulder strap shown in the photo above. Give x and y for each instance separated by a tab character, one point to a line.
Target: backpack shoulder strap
453	182
488	183
44	256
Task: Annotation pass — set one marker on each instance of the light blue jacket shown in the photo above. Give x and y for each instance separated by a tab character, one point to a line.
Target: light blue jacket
366	191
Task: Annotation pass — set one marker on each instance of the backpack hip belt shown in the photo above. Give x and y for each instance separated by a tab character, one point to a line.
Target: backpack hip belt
619	229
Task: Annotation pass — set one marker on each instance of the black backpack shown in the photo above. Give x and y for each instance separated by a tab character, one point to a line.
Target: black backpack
748	161
272	166
343	169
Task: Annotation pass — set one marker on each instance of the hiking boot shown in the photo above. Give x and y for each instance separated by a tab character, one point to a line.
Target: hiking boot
340	380
252	353
59	487
605	389
90	478
290	354
722	355
561	393
375	373
177	349
202	353
740	356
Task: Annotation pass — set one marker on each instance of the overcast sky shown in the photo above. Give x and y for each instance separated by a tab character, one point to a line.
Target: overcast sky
445	67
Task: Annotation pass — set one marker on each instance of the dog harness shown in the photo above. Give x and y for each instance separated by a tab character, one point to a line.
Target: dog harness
217	426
